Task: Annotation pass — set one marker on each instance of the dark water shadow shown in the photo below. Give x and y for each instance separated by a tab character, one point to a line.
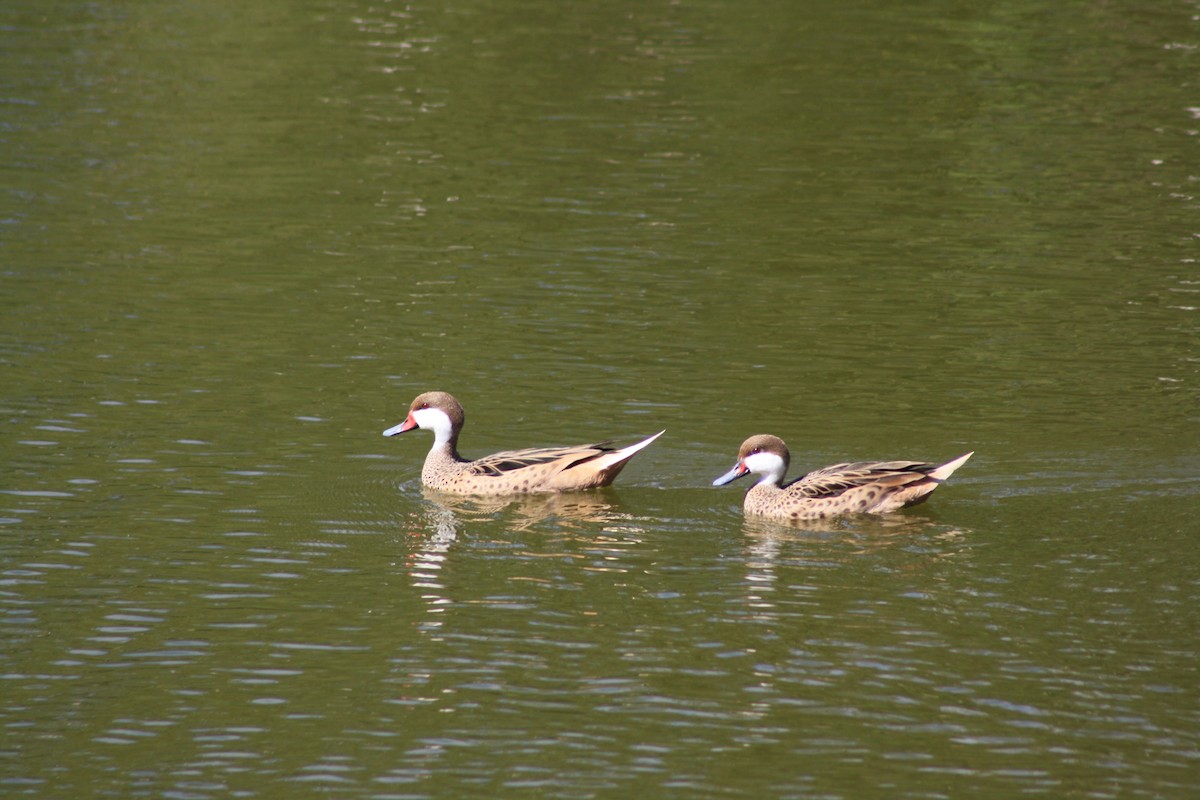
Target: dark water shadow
522	512
853	535
881	526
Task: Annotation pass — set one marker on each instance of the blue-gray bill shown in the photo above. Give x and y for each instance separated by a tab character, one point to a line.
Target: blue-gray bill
738	471
408	425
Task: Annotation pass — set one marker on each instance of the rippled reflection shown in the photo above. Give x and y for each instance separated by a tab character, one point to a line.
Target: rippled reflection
868	532
444	517
521	512
425	565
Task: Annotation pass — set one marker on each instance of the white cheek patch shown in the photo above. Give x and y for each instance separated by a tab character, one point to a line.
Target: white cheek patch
432	419
427	417
769	465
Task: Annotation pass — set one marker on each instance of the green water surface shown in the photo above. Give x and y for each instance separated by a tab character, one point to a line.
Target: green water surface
236	239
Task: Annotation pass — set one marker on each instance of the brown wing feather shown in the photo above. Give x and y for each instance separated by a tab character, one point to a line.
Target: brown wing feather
500	463
841	478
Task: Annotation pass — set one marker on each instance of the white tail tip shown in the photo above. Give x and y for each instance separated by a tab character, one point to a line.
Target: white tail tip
946	470
633	448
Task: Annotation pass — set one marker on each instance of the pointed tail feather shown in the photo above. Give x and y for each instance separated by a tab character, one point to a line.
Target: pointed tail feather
946	470
610	464
626	453
633	448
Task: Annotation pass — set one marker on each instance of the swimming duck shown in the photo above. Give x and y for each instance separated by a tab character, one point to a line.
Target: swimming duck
860	487
541	469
